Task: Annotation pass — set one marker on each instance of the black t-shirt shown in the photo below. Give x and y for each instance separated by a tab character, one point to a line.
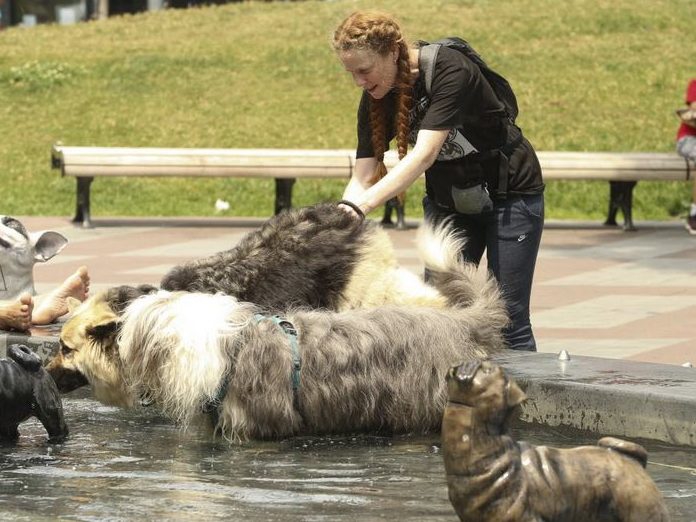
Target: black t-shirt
462	101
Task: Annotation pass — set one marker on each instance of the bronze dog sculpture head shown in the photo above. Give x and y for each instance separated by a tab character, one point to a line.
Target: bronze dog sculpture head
493	478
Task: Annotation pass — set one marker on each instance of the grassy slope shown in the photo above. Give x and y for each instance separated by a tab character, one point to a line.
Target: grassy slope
589	74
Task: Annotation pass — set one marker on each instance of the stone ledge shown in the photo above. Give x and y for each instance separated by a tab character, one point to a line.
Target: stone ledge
607	396
43	340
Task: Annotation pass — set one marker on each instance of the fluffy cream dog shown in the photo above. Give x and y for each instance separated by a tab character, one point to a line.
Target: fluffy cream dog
310	257
310	372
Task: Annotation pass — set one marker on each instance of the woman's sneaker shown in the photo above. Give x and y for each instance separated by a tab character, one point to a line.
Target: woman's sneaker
691	225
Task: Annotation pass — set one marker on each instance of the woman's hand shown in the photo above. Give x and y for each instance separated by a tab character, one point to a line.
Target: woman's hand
365	195
352	209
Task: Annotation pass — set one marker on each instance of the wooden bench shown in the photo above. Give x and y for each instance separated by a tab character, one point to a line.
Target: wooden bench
621	169
286	165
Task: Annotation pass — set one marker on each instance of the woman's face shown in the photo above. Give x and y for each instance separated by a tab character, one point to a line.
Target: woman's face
371	71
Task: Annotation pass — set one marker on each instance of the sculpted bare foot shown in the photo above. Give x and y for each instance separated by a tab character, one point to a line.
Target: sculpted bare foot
16	315
51	306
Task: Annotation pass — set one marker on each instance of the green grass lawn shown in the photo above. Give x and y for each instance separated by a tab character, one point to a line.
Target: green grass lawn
590	75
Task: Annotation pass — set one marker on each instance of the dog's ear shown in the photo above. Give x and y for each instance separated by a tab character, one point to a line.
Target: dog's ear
24	356
118	298
47	244
515	395
72	304
101	332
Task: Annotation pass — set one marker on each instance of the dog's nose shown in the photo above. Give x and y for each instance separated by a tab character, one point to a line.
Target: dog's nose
66	379
464	373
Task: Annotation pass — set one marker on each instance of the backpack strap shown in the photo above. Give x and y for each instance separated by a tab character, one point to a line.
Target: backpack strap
426	62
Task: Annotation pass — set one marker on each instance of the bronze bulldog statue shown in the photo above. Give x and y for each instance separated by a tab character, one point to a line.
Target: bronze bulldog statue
26	390
493	478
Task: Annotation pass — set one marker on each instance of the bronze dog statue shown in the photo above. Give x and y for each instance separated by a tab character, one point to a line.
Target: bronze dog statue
26	390
493	478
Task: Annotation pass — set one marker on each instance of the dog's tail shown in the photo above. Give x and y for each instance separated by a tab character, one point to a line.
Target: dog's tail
23	356
630	449
462	283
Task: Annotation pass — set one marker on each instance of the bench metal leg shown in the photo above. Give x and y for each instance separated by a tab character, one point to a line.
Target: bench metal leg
82	214
621	198
283	199
391	206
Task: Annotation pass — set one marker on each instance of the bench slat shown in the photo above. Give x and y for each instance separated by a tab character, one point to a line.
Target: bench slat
613	175
244	171
178	151
336	163
286	172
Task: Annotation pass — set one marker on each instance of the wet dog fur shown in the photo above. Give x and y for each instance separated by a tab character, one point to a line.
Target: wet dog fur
377	370
316	257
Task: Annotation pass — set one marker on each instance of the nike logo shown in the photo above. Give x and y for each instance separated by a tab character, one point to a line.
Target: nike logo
522	238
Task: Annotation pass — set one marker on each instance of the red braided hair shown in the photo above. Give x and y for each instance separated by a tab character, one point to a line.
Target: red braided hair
380	33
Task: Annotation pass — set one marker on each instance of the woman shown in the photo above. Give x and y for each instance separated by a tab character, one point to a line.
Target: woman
480	171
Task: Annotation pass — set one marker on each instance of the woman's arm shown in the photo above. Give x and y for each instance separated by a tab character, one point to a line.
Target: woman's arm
360	179
399	178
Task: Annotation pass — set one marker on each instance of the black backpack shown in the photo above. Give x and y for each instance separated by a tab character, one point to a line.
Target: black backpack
501	87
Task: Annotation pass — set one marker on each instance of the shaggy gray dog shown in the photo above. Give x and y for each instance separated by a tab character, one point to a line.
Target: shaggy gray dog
312	257
311	372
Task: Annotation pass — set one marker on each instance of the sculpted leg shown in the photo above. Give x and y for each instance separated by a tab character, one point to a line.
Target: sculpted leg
51	306
16	315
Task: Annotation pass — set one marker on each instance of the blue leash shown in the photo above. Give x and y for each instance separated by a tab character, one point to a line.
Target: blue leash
291	334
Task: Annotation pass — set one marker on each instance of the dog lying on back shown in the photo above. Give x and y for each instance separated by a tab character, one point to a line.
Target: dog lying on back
491	477
315	257
309	372
26	390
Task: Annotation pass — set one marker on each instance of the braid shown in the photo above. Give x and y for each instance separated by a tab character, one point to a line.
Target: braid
378	125
404	103
380	33
404	100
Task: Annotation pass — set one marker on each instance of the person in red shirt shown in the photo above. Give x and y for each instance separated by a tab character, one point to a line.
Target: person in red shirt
686	145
